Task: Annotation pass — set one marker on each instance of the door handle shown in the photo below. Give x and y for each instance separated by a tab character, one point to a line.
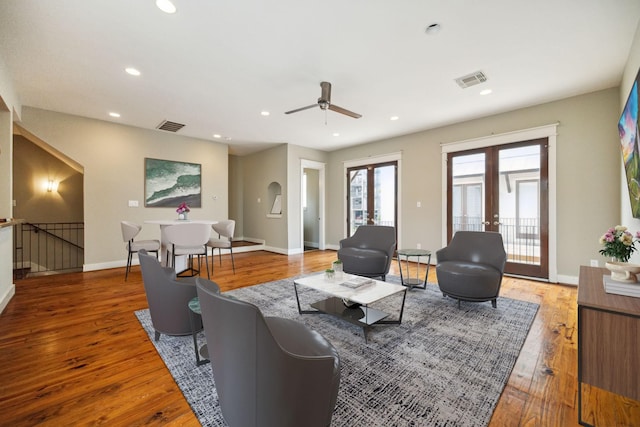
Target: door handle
487	223
497	223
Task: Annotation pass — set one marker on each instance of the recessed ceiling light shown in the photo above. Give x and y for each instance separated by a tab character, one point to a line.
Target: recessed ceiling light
433	29
116	115
166	6
485	92
227	138
132	71
336	134
215	135
394	118
265	113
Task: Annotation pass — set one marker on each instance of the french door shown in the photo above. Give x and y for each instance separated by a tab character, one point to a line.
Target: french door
504	188
372	195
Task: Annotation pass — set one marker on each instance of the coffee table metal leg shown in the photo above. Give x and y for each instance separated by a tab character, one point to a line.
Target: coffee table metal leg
194	333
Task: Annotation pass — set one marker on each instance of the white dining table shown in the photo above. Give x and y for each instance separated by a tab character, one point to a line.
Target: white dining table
181	261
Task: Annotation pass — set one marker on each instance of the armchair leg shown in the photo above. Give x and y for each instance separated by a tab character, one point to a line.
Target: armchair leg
157	336
494	303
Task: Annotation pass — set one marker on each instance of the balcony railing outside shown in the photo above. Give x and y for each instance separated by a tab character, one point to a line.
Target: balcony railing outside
521	236
48	248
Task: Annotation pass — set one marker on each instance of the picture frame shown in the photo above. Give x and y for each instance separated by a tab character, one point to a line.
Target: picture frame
167	183
628	129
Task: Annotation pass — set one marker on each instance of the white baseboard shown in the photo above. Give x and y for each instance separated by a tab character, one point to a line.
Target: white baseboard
568	280
11	291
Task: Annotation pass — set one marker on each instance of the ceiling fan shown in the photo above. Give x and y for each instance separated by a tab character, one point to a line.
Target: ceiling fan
324	102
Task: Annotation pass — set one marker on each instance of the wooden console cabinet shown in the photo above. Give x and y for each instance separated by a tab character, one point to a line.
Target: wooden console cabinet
608	338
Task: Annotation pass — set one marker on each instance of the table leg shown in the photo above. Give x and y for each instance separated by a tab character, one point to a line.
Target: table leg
194	333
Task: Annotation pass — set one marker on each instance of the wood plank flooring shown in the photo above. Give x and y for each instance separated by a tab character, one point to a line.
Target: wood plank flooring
72	353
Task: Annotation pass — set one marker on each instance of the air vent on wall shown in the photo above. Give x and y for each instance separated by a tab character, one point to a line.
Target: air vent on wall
471	79
170	126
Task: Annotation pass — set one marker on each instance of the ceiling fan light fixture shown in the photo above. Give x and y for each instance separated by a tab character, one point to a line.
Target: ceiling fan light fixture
166	6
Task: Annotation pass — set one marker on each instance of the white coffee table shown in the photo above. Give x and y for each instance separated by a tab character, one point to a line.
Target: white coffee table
368	293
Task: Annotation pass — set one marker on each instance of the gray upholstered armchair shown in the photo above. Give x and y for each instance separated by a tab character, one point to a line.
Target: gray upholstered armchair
470	268
268	371
369	251
168	297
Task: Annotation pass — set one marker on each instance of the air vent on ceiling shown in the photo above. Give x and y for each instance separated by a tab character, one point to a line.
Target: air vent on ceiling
170	126
471	79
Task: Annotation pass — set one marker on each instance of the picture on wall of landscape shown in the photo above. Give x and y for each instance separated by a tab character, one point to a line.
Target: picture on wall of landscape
630	138
168	183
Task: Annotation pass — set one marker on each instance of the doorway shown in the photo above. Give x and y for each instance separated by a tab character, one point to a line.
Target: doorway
312	199
504	188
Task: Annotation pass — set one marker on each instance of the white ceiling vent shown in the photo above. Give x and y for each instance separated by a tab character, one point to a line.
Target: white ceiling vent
170	126
471	79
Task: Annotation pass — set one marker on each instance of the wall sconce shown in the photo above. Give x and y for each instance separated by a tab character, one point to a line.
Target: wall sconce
52	186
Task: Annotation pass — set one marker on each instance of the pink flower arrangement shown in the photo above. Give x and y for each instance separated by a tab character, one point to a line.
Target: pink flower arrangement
183	208
619	243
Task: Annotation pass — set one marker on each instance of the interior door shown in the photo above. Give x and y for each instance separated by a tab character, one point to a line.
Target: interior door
372	195
505	189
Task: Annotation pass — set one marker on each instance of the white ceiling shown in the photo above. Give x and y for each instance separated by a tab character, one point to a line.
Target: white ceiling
214	65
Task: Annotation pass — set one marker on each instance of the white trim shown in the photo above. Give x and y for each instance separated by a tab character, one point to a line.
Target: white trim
547	131
6	298
320	167
382	158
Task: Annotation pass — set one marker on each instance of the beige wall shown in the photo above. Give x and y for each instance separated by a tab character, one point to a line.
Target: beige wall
260	170
32	168
236	191
112	156
587	174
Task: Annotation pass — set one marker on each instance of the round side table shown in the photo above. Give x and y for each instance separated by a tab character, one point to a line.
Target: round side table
202	355
406	279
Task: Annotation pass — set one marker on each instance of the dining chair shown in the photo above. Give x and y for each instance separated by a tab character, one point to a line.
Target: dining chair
188	239
129	231
225	230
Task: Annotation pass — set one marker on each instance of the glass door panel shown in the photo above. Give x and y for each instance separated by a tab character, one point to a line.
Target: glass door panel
467	192
358	184
384	202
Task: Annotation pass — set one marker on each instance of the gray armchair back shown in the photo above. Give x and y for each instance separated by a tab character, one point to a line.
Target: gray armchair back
168	297
268	371
369	251
471	267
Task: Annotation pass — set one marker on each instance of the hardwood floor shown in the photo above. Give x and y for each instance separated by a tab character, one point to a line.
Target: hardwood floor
73	353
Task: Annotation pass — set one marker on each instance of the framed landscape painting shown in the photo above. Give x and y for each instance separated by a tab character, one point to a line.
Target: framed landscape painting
168	183
628	128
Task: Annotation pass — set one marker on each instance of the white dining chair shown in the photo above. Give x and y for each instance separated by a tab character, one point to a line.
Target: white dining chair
225	230
129	231
188	239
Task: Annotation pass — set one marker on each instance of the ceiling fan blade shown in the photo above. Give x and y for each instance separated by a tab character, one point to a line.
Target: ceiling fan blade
301	109
341	110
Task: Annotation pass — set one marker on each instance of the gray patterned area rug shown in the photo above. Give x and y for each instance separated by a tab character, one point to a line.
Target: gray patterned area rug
443	366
